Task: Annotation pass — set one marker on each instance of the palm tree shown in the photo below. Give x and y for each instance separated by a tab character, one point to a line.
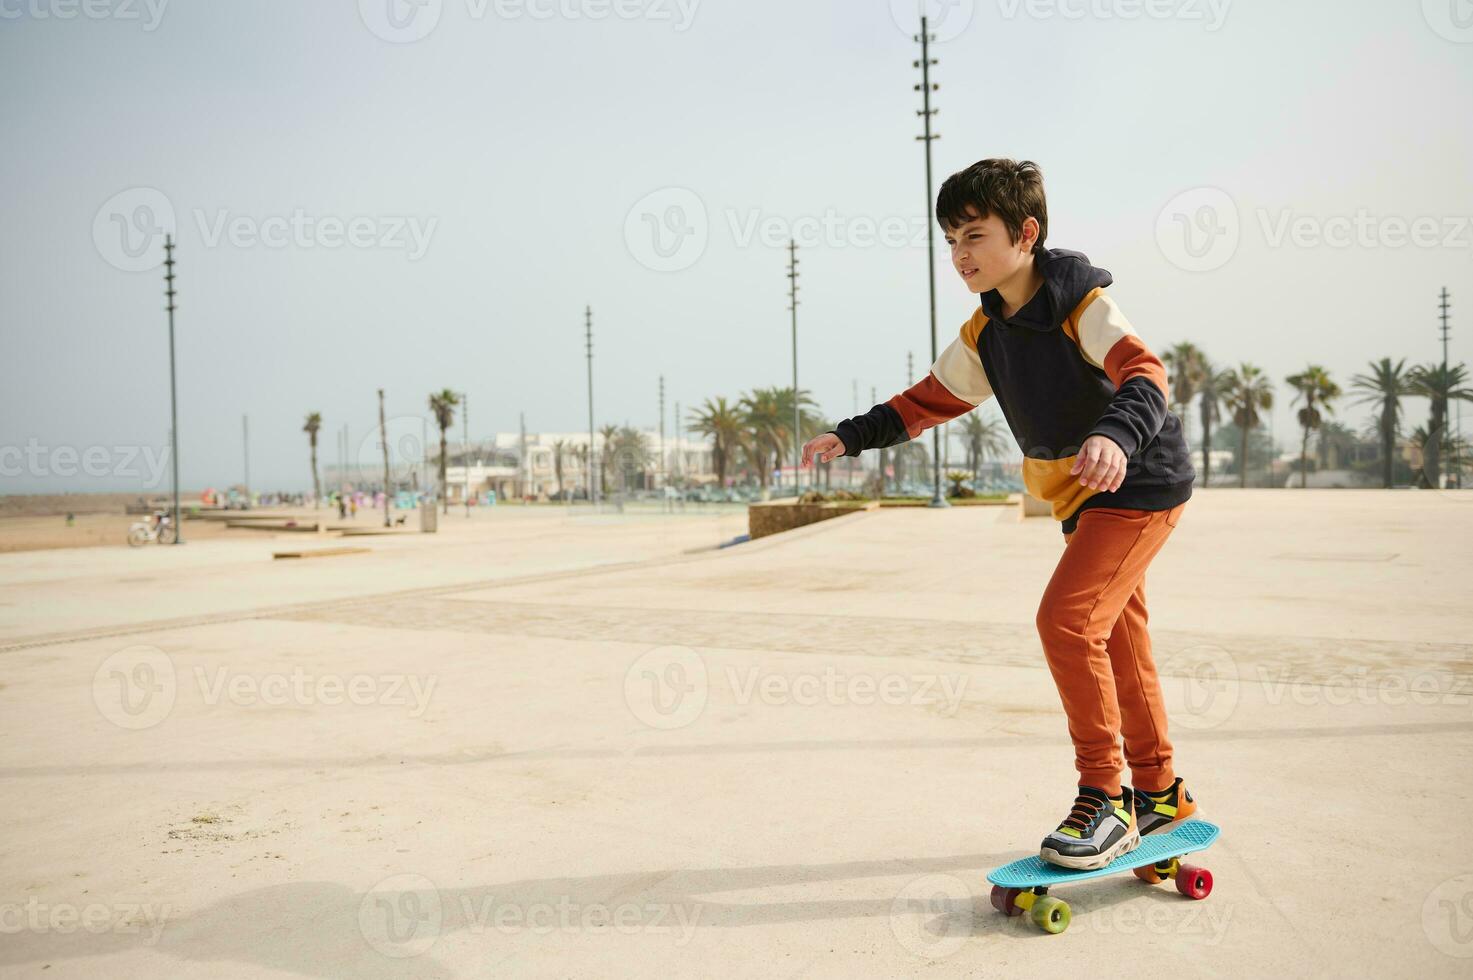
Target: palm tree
725	426
1441	384
1313	385
1335	440
910	456
558	445
1211	383
580	453
314	423
983	438
767	431
443	405
1246	391
1185	366
810	423
629	454
1387	384
606	462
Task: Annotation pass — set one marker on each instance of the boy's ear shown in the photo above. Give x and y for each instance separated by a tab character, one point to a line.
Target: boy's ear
1029	233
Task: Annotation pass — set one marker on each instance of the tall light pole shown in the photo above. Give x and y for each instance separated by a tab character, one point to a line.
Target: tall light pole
926	87
874	399
383	441
592	453
465	438
660	470
173	386
793	306
1454	468
245	442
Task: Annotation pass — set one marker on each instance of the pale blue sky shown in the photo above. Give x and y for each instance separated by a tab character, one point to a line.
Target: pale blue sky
519	144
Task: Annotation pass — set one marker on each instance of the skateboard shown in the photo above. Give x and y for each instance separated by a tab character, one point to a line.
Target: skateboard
1023	885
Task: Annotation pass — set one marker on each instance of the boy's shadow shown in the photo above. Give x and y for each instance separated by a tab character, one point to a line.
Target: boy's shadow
324	929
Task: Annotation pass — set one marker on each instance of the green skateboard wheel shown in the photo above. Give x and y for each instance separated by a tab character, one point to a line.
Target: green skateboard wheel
1050	914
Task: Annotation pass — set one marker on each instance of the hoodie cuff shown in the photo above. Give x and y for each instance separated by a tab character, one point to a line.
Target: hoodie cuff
849	436
1122	435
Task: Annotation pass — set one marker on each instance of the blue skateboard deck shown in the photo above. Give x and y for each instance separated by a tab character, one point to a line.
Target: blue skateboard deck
1022	886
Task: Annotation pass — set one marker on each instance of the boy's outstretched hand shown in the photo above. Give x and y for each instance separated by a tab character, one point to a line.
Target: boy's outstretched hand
1100	464
825	447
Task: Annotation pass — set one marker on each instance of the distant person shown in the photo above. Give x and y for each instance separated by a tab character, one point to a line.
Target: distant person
342	507
1087	402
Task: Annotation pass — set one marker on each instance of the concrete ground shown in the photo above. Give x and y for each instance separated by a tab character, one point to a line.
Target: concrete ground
537	744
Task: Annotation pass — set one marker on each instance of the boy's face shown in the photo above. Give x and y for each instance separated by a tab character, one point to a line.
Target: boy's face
982	254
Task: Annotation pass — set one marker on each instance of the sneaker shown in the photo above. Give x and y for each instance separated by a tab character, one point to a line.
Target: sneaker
1098	830
1164	809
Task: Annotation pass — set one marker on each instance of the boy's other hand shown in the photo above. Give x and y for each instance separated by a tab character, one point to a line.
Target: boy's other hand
822	448
1100	464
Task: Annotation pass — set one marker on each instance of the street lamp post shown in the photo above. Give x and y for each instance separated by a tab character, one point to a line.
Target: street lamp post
173	386
926	87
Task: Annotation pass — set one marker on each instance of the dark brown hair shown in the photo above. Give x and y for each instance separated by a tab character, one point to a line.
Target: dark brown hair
1010	189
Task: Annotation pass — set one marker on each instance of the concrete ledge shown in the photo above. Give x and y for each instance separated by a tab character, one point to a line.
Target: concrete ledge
1031	506
774	516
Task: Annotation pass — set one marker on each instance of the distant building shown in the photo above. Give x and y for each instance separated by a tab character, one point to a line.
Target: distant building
546	464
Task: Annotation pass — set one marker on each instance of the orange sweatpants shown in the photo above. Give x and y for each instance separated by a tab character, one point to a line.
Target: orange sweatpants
1092	621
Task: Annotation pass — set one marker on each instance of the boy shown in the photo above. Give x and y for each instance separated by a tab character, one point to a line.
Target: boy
1086	401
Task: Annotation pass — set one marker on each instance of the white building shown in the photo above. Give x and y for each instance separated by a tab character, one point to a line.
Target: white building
514	466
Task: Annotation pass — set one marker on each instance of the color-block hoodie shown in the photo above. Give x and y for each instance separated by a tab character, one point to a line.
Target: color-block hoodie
1065	367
